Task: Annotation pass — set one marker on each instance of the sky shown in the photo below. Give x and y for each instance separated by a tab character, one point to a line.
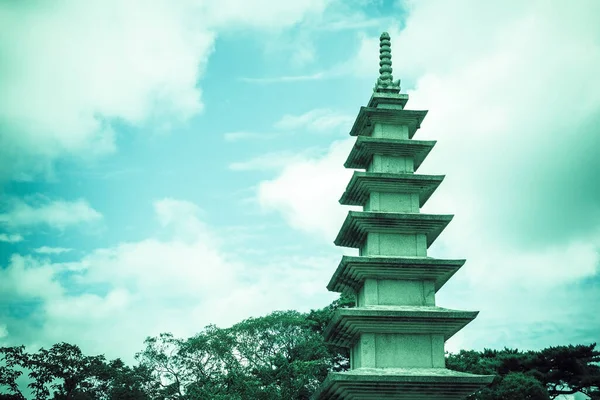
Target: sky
169	165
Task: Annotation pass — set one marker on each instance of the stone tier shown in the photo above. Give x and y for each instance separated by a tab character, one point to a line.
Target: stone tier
368	118
348	324
358	224
362	184
352	272
388	100
400	384
366	147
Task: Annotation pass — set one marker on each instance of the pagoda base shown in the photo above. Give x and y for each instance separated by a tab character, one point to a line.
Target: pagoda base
400	383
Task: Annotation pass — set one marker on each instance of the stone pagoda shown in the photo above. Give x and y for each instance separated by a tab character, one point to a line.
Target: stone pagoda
396	333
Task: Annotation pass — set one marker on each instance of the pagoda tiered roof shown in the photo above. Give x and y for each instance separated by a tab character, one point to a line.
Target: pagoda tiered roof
365	147
369	116
400	384
358	224
352	271
395	325
348	323
363	183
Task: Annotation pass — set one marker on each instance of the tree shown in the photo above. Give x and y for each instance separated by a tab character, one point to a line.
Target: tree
129	383
275	357
340	356
161	359
67	371
544	374
11	358
569	369
63	372
278	356
282	356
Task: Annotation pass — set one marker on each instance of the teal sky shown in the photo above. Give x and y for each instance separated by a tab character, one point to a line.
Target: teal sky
166	166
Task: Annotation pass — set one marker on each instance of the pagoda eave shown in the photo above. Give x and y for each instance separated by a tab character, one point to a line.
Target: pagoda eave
363	183
368	116
365	147
358	224
348	324
400	384
353	271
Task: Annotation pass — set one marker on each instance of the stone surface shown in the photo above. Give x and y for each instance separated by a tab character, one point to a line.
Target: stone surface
385	82
393	234
396	333
366	147
364	187
400	384
388	100
390	123
348	324
353	271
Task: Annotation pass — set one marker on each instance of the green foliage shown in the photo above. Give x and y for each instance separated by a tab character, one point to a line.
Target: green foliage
65	369
275	357
63	372
279	356
544	374
10	361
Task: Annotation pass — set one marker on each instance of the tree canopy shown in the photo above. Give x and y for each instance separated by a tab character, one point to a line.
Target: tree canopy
275	357
543	374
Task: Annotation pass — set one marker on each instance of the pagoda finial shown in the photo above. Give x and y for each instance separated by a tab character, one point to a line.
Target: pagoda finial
385	82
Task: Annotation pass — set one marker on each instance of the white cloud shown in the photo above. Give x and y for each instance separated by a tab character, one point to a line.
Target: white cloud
319	120
240	135
304	53
307	190
123	60
178	283
10	238
517	154
51	250
29	278
58	214
270	161
476	116
72	69
264	14
244	135
287	78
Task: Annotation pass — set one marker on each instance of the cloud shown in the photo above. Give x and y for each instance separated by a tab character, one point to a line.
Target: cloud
7	238
244	135
270	161
284	79
72	70
306	191
58	214
319	120
51	250
523	199
29	278
179	281
519	157
101	62
264	14
303	54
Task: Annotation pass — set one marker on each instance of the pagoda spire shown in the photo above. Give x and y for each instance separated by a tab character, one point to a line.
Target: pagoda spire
385	82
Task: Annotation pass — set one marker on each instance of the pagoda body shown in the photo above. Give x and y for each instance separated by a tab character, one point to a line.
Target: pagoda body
396	332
